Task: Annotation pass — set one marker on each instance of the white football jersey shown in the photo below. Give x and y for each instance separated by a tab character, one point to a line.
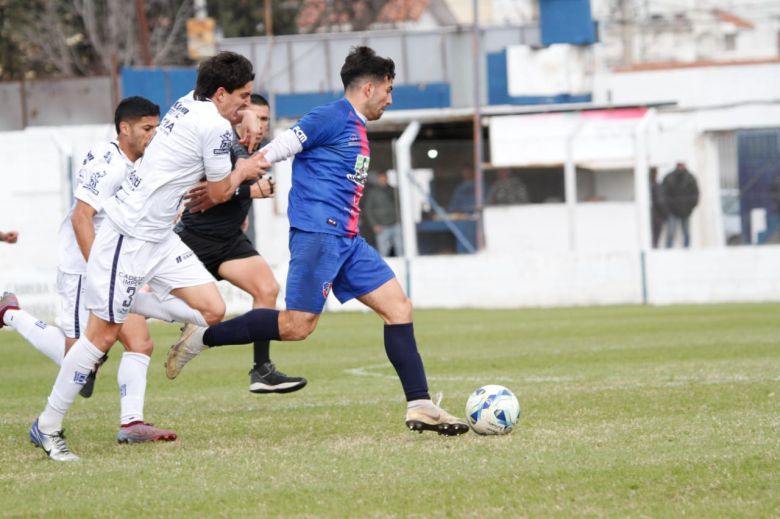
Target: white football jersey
192	142
101	173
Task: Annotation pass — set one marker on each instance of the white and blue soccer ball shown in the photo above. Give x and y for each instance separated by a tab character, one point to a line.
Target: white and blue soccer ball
492	409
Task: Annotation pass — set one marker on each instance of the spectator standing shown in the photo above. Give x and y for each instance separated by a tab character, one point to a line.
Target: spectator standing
507	190
463	199
658	212
382	216
680	195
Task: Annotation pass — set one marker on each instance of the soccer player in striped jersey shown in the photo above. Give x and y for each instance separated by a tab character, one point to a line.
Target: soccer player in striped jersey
332	155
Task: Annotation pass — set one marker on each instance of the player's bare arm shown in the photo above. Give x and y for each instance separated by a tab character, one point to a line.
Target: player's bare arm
84	226
246	169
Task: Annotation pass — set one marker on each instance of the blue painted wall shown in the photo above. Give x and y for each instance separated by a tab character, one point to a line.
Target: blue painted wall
165	86
566	21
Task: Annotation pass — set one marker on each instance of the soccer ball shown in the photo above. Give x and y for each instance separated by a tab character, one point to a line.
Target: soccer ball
492	409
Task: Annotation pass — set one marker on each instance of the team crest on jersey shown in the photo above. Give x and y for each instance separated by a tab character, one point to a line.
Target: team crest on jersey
108	156
91	184
361	170
224	146
326	289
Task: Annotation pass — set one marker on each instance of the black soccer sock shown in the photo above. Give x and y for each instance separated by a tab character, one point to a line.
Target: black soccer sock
262	352
401	349
255	325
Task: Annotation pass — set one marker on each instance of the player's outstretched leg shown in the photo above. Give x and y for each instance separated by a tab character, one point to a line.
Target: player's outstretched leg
53	445
265	378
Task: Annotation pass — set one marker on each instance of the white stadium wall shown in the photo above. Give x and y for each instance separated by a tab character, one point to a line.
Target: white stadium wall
532	259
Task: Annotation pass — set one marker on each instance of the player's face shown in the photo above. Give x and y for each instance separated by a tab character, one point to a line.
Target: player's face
140	133
263	118
381	97
230	104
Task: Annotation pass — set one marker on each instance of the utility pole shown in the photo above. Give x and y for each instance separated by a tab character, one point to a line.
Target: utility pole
268	18
143	32
476	49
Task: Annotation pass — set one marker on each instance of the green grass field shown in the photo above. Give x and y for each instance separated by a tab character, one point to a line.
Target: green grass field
626	412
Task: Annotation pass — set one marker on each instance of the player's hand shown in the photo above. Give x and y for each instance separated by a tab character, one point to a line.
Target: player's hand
252	129
11	236
254	167
197	199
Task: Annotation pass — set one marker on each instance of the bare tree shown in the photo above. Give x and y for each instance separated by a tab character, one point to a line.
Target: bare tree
87	37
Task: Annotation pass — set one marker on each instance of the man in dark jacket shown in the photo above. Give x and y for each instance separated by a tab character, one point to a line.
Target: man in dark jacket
658	212
680	194
381	215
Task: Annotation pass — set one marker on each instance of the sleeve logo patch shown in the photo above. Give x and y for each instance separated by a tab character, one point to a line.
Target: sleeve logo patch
300	134
224	146
91	185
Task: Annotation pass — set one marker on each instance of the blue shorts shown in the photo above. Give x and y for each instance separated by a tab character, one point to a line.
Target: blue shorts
320	262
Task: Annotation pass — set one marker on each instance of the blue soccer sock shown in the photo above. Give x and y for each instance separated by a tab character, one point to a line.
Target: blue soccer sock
401	349
257	324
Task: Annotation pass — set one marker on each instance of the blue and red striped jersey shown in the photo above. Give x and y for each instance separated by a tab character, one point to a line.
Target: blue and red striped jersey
329	175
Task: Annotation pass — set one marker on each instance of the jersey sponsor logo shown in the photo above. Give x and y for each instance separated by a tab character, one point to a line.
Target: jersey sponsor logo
224	146
176	111
184	256
80	378
361	170
91	185
326	289
300	134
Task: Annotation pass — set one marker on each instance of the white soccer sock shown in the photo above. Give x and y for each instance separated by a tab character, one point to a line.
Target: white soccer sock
49	340
171	309
131	378
76	366
420	403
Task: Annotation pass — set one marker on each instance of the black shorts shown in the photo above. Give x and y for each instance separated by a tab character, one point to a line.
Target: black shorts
213	252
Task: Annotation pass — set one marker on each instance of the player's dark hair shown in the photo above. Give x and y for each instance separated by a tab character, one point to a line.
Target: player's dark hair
227	69
130	109
257	99
362	62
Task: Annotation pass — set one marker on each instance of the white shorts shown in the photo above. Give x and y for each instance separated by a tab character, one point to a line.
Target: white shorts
120	265
72	317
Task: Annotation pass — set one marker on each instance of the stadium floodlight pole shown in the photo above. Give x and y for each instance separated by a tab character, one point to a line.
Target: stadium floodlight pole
477	59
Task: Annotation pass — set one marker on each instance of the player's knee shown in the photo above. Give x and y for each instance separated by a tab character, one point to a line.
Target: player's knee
265	296
399	313
214	313
144	346
297	329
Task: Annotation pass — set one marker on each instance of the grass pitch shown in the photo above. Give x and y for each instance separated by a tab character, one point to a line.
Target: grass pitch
626	412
